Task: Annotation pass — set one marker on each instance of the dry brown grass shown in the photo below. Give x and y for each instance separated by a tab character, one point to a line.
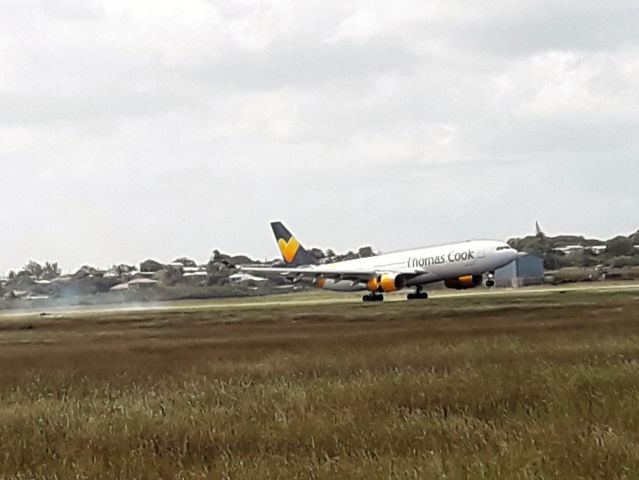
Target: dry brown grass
530	387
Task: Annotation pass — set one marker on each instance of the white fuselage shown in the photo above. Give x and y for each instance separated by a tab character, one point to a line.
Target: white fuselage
426	265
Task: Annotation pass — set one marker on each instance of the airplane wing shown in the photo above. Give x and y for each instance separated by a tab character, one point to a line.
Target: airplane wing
325	272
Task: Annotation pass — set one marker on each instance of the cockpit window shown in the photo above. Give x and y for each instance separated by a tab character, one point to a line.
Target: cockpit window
505	247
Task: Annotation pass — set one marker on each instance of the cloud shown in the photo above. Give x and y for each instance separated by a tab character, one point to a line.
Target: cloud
138	128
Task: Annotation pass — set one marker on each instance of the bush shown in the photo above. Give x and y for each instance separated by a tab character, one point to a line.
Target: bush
624	261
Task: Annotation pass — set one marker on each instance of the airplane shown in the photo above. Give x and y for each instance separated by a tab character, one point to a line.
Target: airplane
460	265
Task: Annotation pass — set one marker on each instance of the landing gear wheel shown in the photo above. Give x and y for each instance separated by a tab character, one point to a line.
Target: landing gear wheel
418	295
373	297
490	281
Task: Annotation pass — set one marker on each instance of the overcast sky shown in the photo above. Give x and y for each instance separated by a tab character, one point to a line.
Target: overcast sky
133	129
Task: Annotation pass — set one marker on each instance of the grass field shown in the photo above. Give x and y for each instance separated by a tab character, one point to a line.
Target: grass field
536	386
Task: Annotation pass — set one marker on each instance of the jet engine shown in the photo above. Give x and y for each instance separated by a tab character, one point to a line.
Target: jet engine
464	282
339	285
387	282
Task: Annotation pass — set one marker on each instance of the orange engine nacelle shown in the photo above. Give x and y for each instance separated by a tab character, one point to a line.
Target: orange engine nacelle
388	282
464	282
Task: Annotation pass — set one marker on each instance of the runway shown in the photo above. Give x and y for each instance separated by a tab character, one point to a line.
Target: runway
303	299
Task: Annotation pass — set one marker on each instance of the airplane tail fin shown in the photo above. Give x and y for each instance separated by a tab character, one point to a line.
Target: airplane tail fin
293	253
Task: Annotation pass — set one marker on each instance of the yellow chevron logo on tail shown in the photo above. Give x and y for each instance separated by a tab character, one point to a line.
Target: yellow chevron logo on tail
289	249
293	252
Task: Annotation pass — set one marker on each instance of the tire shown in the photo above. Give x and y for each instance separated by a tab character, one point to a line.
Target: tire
417	296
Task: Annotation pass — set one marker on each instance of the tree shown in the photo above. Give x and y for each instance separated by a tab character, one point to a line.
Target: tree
219	257
218	272
350	255
187	262
151	266
122	269
619	246
552	260
33	269
539	246
86	271
51	271
318	253
588	259
170	275
365	252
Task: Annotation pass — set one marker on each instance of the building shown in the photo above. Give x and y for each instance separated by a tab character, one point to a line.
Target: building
569	249
142	284
122	287
528	269
136	284
597	249
245	278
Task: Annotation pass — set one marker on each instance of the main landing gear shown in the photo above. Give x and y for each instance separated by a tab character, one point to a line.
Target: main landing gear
373	297
419	294
490	280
